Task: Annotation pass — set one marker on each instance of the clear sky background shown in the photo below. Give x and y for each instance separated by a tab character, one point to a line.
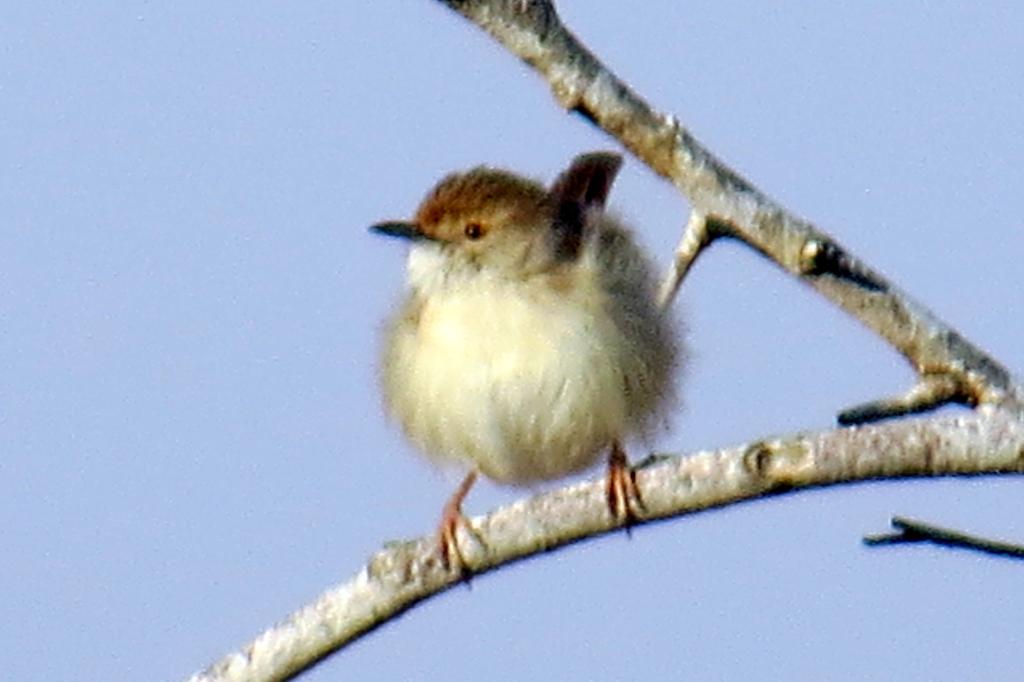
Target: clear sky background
191	440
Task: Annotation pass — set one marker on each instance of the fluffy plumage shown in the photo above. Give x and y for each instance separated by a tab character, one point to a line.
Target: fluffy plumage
529	340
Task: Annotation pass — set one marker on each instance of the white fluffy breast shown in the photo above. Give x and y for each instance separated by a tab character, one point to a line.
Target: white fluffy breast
519	379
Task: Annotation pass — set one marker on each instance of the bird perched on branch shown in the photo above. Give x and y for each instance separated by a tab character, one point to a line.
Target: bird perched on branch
530	340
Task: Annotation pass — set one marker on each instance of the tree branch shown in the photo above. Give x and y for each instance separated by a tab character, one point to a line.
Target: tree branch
532	30
909	530
405	573
989	440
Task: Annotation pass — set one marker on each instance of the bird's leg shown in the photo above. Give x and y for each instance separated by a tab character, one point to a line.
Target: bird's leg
622	492
451	519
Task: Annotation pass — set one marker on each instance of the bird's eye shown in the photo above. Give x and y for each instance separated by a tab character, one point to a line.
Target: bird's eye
474	230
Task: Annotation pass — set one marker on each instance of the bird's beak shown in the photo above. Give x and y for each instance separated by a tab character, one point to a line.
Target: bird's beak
410	231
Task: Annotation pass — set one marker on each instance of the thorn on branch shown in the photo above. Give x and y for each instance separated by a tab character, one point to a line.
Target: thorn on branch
933	391
909	531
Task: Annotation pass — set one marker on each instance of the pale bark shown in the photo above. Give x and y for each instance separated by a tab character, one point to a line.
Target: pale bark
988	440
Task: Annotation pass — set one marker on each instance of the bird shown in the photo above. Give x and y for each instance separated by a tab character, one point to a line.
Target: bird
529	340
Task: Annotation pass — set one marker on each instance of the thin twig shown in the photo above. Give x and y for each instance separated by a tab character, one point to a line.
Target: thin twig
933	390
910	530
696	237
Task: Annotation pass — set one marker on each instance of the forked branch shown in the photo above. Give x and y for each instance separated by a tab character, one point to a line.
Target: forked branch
532	30
990	440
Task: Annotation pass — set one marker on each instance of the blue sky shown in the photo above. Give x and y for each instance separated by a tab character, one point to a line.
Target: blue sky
191	436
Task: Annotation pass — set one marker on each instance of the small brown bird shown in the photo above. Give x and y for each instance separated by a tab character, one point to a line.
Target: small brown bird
530	340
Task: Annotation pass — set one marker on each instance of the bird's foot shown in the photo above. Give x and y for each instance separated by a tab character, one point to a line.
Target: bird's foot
624	501
447	532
